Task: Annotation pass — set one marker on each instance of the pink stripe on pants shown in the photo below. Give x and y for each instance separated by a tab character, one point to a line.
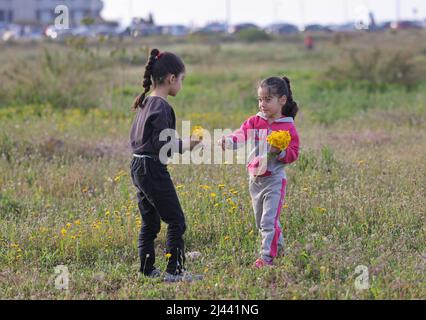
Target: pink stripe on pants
274	245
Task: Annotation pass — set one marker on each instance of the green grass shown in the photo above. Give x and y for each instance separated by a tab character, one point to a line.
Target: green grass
354	197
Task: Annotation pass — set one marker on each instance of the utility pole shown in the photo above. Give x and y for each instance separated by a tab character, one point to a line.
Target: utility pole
302	12
228	14
131	15
346	10
398	10
276	8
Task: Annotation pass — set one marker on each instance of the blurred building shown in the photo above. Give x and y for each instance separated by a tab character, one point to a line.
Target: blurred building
42	12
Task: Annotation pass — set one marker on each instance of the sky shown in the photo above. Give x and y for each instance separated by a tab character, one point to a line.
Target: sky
261	12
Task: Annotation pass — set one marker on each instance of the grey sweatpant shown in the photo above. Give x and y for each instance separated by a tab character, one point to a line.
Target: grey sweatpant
267	194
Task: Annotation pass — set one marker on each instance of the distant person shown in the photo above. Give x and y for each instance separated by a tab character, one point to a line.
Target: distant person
157	197
309	42
266	164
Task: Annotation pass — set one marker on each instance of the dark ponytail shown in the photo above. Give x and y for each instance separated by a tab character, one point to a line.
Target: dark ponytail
281	87
147	82
157	68
290	108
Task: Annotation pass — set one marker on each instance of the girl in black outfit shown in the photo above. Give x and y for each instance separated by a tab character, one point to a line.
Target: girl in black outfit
157	198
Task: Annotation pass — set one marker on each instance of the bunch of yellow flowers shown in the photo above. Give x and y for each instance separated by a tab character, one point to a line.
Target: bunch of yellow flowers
279	139
198	132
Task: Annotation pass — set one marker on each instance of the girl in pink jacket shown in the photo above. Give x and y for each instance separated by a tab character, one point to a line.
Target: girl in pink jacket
266	164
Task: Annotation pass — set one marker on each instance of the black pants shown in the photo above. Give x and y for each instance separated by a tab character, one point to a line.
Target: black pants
157	199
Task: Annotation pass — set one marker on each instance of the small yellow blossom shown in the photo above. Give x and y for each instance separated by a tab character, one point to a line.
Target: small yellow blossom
168	255
64	232
198	132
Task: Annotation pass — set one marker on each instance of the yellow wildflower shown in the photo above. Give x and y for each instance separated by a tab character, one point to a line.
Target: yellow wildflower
198	132
279	139
168	255
64	232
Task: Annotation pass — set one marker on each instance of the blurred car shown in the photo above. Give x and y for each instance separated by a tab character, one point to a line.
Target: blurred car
316	28
281	28
108	30
346	27
174	30
32	33
383	26
12	32
55	33
406	25
214	27
243	26
3	29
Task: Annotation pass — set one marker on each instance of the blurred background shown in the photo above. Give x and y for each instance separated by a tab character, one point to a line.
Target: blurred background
33	19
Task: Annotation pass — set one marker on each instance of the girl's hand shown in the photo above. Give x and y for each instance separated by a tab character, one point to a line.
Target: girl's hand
193	143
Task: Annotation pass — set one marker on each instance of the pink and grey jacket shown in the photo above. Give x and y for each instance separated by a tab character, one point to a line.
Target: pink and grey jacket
253	133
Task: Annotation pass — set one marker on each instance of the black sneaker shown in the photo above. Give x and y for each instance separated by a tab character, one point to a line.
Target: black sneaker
156	273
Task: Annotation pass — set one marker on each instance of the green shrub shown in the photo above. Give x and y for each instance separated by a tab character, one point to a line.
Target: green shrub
377	69
64	79
252	35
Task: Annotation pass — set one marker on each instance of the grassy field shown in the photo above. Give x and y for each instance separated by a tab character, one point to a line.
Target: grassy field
355	197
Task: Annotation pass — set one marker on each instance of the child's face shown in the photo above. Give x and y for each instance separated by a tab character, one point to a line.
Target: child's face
270	105
176	83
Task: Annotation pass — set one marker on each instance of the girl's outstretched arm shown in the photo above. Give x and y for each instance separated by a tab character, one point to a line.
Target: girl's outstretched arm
238	138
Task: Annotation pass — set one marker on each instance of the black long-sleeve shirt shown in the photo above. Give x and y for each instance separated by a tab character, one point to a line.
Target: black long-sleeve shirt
156	116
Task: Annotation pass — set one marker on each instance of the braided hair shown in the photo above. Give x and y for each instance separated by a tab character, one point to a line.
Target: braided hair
157	68
281	87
